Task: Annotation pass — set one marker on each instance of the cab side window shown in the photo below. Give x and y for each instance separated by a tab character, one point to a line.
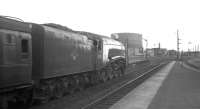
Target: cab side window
100	46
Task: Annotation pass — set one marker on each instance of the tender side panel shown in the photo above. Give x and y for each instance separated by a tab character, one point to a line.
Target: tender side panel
16	53
1	49
67	53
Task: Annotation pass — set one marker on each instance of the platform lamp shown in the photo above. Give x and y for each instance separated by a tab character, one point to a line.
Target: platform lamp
146	47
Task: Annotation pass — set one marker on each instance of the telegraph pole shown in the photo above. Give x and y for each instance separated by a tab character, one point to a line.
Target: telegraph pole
198	50
178	43
127	54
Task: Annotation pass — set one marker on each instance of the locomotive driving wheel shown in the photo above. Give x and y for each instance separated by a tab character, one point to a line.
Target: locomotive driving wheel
110	73
94	77
115	69
104	76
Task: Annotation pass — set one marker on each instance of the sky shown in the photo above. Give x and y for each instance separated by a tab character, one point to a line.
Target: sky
156	20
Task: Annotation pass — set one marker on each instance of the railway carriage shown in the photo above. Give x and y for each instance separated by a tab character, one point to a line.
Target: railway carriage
15	53
15	61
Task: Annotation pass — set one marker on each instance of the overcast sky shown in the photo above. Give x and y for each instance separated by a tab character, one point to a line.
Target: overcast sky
157	20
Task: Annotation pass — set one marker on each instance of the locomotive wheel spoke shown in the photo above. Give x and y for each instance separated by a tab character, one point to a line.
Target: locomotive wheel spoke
104	76
115	74
122	70
110	73
119	73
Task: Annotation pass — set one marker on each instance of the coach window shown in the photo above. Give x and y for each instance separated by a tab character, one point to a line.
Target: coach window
9	39
24	45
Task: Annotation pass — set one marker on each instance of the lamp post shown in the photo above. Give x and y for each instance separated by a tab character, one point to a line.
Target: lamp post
146	46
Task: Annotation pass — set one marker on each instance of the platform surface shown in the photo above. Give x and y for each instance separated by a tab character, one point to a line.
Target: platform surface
181	90
176	86
141	96
195	62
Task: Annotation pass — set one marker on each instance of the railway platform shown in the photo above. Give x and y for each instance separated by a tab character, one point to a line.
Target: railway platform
176	86
194	62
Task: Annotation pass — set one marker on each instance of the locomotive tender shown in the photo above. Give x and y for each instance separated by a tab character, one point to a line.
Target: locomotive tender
48	61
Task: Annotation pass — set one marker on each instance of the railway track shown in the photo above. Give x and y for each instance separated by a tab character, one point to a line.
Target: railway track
93	96
116	94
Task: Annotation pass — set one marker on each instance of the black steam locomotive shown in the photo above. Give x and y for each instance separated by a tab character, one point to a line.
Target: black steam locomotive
45	61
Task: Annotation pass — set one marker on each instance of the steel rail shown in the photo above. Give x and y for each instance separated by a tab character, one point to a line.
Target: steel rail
122	86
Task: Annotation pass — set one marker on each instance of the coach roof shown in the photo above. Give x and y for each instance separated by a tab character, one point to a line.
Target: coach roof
11	24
